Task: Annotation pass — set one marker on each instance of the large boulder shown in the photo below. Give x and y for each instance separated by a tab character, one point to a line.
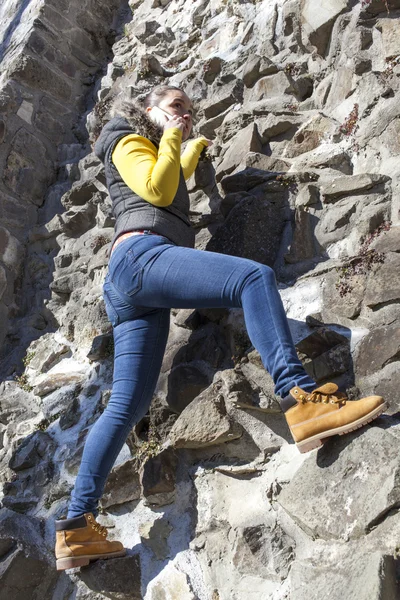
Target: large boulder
252	230
355	483
360	577
318	19
204	422
26	569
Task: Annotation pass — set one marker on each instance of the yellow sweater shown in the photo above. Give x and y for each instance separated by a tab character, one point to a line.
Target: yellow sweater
154	175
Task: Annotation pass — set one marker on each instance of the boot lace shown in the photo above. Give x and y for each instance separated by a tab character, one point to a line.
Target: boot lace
101	529
324	397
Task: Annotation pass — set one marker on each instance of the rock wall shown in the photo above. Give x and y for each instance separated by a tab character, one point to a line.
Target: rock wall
209	493
51	52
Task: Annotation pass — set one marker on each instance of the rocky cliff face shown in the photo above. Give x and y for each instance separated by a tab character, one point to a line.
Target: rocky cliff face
302	100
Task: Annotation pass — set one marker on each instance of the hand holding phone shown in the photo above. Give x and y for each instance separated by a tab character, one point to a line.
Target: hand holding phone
165	120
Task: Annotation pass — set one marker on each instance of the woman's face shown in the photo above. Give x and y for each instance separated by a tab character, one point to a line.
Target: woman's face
176	102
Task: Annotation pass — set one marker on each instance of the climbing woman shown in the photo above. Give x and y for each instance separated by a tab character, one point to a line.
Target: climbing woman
153	268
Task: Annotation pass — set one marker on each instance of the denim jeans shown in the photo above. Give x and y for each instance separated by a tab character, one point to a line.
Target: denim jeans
147	276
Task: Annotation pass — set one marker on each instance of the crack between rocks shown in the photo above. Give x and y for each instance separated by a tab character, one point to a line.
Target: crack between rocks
392	359
377	307
392	510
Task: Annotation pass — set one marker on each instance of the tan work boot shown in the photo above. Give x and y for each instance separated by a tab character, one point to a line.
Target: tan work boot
81	540
325	412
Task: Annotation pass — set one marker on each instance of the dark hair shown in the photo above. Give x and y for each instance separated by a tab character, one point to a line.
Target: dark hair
154	97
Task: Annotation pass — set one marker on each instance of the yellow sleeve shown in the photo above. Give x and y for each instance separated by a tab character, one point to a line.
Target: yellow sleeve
153	176
191	154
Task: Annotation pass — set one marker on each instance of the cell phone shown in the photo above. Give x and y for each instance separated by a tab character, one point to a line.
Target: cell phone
160	115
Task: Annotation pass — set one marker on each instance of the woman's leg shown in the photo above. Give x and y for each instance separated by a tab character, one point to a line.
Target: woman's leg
173	276
139	348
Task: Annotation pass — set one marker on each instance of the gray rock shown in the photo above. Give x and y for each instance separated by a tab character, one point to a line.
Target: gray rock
158	477
66	284
26	570
360	577
56	381
204	422
347	186
255	160
325	354
60	400
384	282
245	141
11	251
246	179
333	302
211	69
102	347
257	67
378	349
154	535
355	484
319	341
241	234
80	194
16	403
383	383
250	386
185	382
388	241
317	24
272	85
263	551
31	451
117	578
223	96
328	155
304	245
71	416
122	484
47	352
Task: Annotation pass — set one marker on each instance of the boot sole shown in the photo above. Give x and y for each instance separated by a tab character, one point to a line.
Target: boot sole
316	441
82	561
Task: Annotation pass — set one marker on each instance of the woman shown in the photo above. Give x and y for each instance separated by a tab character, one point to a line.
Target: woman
153	267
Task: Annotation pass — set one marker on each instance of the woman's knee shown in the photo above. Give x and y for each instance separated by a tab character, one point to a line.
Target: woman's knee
264	273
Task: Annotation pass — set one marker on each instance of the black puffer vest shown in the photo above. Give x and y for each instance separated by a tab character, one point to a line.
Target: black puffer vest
130	210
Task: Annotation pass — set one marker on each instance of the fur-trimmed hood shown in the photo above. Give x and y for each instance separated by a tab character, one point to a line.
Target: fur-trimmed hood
128	117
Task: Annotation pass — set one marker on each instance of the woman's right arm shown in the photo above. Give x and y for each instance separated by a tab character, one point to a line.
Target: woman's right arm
153	176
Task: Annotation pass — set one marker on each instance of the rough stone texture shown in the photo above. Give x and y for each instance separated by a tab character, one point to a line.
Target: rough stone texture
248	140
16	403
263	550
241	234
346	186
318	20
155	536
384	284
373	577
378	349
300	99
118	579
342	505
26	569
325	354
158	477
204	422
122	485
49	54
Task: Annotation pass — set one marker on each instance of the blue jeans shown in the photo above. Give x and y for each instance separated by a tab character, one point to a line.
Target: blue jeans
147	276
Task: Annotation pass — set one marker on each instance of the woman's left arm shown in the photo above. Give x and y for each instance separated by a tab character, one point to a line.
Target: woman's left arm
191	154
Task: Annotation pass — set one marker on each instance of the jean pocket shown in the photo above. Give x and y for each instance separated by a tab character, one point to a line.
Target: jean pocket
110	310
126	276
